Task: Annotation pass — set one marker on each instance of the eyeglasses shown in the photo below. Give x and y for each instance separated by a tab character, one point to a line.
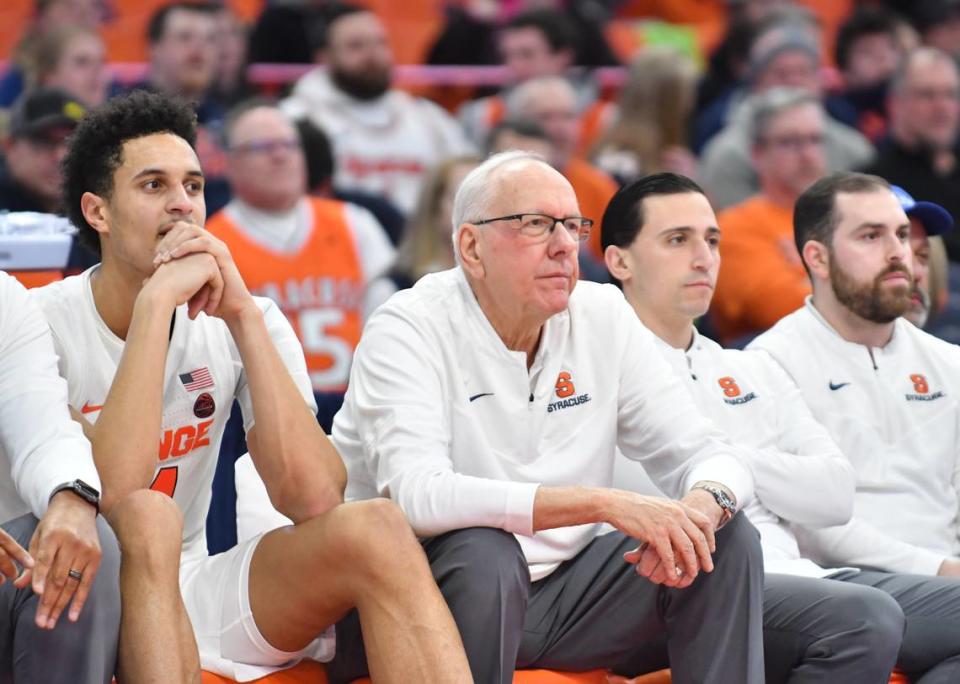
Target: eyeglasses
539	225
267	146
794	143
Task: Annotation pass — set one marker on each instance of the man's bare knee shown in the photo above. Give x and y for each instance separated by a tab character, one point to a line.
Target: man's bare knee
147	524
374	534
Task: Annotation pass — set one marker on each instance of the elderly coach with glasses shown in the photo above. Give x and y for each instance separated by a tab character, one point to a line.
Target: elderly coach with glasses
488	402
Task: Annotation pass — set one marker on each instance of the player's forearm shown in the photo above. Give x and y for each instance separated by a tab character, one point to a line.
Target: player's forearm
126	436
301	469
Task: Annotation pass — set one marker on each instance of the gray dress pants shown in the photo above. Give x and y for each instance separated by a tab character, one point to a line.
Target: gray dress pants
930	652
82	652
593	611
819	630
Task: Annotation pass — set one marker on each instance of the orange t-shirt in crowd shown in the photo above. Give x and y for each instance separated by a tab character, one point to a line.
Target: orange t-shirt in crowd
319	288
594	190
762	278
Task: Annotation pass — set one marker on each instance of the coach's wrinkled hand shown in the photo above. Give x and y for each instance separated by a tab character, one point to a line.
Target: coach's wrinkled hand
676	540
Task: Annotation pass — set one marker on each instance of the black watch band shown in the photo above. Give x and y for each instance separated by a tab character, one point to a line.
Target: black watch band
81	489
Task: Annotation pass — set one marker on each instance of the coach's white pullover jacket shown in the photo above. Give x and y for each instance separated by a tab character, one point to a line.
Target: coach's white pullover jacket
894	413
41	447
801	476
445	420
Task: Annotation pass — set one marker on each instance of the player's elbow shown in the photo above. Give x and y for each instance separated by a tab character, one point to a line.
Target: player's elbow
303	498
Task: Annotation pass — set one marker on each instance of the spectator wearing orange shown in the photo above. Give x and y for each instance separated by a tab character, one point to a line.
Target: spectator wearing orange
536	43
313	257
551	102
763	278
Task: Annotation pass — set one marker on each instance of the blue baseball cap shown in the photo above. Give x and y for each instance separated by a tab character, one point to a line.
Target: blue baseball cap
935	219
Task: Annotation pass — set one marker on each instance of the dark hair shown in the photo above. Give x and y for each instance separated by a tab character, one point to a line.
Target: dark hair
525	128
317	152
95	149
157	25
623	217
557	28
815	215
865	21
318	29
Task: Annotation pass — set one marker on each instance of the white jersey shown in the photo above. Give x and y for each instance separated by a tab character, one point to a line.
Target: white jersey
800	474
445	420
41	447
384	146
894	412
202	376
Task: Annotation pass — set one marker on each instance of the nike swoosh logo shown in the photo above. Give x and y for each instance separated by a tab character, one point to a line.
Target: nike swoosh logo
838	385
482	394
87	408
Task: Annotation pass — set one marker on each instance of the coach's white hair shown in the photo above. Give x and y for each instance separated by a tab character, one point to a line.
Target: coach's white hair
477	189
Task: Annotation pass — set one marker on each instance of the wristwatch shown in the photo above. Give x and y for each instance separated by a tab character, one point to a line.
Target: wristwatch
81	489
723	501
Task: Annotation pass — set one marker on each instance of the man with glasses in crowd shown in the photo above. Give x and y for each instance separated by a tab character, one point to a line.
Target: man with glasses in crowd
763	279
488	400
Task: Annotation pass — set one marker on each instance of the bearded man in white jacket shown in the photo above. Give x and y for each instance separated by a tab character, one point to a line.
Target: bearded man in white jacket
884	389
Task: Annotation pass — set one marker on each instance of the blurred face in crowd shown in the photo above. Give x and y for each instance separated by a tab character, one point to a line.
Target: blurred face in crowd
869	257
945	36
71	13
670	269
157	183
530	277
34	162
552	104
919	309
512	140
267	166
791	69
184	60
925	110
358	55
82	69
872	60
527	54
231	48
790	156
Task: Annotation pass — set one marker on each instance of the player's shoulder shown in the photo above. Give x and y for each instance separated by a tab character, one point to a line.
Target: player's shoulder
62	301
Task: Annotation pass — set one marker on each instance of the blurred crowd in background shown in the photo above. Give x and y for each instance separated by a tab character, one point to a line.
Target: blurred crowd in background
379	109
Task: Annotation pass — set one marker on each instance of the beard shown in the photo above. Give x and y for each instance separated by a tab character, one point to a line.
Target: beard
366	85
872	301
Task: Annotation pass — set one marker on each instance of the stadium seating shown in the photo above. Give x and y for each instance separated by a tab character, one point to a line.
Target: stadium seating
312	673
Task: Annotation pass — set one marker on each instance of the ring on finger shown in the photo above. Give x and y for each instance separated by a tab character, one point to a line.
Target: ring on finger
75	574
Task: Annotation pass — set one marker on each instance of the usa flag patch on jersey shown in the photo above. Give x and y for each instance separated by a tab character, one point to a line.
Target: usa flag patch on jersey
196	379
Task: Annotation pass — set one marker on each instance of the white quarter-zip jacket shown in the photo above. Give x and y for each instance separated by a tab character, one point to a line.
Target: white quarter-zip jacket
41	447
800	474
445	420
894	413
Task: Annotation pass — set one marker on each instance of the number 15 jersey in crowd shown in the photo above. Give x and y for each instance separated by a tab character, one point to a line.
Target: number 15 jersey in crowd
202	376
